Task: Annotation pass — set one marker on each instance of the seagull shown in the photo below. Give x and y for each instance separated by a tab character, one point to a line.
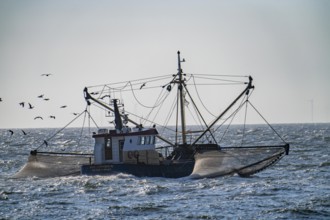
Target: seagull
52	116
0	99
40	96
24	132
22	104
11	132
105	96
75	113
46	99
30	106
38	117
48	74
142	85
63	106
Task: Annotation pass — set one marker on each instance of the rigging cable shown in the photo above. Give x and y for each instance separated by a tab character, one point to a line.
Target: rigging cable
157	104
233	76
91	118
267	123
246	105
101	92
159	108
223	80
137	80
232	116
198	113
198	122
82	128
200	97
45	141
169	115
89	126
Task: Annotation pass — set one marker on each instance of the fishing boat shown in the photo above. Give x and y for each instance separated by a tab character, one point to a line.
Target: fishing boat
144	147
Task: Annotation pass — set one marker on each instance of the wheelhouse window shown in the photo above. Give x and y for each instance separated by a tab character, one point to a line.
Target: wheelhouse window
146	140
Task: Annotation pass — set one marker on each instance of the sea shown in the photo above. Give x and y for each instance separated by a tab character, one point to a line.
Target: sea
297	187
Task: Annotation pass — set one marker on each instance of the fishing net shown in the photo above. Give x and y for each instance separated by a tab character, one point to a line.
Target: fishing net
243	161
53	165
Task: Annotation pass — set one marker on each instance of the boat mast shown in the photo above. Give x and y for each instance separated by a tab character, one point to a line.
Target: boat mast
182	99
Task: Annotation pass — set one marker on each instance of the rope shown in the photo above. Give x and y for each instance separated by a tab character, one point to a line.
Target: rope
198	113
152	107
224	80
82	128
160	107
89	126
169	115
215	84
240	76
200	98
246	105
232	116
137	80
267	123
45	141
199	122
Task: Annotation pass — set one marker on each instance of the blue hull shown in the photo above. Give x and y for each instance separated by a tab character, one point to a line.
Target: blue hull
174	170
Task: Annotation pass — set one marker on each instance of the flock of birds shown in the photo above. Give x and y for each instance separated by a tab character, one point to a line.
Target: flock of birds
30	106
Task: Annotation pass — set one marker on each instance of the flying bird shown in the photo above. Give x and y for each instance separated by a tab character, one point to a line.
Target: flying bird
38	117
94	93
41	96
48	74
52	116
46	143
24	132
0	99
46	99
22	104
30	106
105	96
11	132
63	106
75	113
142	85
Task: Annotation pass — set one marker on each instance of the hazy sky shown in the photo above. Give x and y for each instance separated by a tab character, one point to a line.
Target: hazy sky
284	45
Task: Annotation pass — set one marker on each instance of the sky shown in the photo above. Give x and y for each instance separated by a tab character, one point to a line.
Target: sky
284	45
